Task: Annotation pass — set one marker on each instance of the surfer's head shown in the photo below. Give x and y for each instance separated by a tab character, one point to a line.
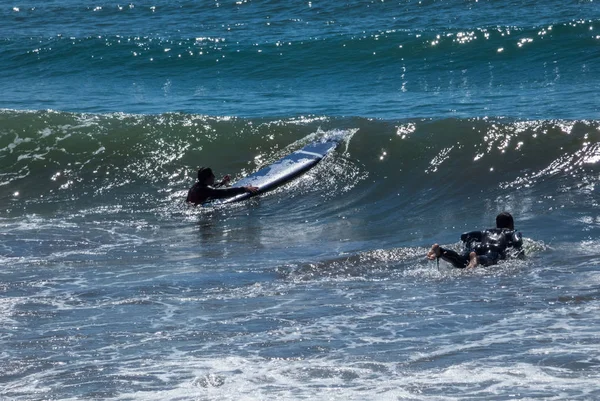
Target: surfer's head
206	176
505	220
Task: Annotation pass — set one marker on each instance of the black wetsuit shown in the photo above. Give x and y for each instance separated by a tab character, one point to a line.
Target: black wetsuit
202	193
490	246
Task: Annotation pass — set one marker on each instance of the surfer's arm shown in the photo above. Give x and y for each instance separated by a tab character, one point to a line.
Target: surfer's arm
515	245
220	193
224	181
516	240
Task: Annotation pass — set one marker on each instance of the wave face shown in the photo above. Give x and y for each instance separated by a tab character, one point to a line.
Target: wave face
406	60
57	162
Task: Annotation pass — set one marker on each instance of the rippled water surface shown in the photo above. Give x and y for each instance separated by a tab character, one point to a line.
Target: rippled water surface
451	111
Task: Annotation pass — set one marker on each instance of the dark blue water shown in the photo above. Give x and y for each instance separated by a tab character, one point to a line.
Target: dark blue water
452	111
370	59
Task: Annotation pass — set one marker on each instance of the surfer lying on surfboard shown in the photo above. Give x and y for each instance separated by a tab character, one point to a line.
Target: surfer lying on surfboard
484	247
206	189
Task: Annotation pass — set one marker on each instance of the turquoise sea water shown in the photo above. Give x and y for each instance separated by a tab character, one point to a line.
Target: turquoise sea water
111	288
386	60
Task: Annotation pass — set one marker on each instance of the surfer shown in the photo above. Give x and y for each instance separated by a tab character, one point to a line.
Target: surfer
206	189
484	247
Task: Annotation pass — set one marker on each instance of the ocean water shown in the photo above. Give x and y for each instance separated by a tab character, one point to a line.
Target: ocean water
451	111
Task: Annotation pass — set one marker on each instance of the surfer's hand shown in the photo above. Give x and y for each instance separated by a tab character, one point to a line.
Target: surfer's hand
226	179
251	189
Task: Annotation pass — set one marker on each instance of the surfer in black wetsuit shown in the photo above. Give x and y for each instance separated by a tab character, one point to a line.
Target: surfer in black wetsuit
484	247
205	189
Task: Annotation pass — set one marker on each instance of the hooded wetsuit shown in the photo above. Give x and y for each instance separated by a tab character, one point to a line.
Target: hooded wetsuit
490	246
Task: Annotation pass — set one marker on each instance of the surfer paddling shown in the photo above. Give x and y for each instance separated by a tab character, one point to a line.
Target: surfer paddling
206	189
484	247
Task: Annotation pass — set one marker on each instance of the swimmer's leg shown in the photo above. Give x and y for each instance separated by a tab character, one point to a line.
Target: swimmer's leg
434	252
454	258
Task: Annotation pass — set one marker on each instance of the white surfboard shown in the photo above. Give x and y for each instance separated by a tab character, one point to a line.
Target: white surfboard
283	170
